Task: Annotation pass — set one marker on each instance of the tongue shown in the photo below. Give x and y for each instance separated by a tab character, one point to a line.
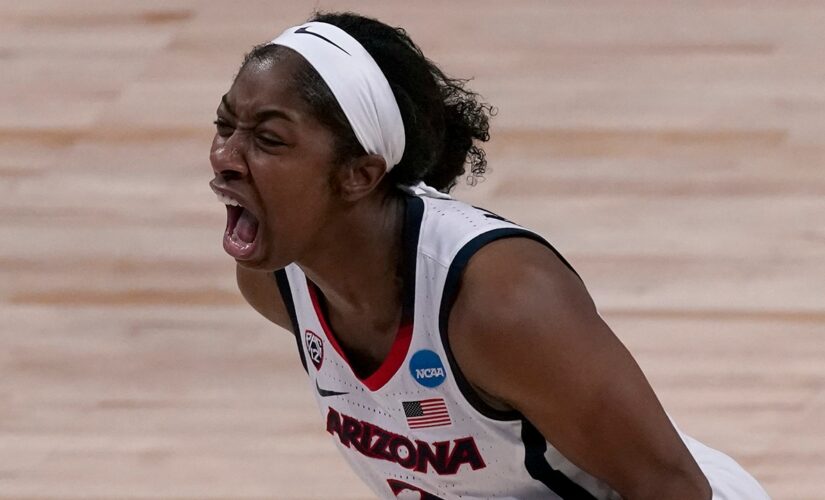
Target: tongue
246	227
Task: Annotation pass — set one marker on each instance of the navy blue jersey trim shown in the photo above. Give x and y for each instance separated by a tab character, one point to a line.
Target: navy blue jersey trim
539	469
414	213
451	286
286	294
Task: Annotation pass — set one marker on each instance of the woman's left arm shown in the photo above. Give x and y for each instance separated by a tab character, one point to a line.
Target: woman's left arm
526	334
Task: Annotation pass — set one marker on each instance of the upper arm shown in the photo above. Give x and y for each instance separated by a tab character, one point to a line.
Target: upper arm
521	314
261	292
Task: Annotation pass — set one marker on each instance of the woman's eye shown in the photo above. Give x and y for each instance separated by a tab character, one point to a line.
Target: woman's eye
223	127
269	141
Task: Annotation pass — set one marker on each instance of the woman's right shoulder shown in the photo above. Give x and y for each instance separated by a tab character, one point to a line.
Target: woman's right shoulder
260	289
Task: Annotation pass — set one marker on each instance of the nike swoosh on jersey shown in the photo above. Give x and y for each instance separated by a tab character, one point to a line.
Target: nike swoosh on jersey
325	393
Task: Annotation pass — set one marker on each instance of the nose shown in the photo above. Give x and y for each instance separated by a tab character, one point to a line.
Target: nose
227	157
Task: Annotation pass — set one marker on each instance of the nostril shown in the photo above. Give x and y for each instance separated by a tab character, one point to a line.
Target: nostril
230	175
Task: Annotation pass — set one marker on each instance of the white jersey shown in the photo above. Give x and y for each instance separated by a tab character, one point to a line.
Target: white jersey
415	428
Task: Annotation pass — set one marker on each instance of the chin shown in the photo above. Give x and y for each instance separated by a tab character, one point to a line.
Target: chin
263	263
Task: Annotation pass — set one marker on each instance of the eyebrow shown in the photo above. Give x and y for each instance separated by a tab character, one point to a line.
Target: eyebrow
268	114
261	115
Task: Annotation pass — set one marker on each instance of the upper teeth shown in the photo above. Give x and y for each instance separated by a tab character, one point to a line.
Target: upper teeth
226	200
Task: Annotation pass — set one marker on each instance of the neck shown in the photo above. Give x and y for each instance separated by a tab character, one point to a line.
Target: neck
358	266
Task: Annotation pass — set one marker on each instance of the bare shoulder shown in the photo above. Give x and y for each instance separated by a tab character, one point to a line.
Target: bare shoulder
261	292
524	316
518	302
514	277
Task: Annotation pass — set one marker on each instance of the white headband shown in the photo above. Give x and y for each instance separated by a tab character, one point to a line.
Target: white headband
360	88
357	83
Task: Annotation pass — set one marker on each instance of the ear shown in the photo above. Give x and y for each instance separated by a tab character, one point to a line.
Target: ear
360	176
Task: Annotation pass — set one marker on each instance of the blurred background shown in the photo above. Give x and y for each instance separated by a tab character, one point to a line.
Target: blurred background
673	151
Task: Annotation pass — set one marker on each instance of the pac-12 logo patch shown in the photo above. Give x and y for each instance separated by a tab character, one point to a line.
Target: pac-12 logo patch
427	369
315	348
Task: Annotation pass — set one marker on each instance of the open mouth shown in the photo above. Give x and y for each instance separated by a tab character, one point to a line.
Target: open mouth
241	234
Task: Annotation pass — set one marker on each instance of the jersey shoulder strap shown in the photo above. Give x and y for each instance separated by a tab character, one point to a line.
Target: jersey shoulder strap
453	231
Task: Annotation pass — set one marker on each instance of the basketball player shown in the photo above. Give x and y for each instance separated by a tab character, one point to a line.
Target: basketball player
452	353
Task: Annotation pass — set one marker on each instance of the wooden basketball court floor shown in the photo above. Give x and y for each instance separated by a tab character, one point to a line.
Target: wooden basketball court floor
673	151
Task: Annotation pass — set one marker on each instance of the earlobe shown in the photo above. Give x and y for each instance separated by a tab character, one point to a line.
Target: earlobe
361	176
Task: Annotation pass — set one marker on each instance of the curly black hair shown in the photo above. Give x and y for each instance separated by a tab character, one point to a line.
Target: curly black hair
443	120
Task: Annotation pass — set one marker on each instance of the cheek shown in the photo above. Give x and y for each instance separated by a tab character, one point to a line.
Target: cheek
297	175
297	203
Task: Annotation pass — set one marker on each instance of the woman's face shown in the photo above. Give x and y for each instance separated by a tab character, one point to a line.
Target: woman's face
270	155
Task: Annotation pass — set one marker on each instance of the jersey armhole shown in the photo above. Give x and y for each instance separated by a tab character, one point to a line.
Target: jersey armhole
286	295
448	298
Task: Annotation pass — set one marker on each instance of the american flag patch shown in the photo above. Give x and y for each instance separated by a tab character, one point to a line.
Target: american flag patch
426	413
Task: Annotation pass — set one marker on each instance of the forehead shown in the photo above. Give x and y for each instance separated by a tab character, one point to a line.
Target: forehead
267	82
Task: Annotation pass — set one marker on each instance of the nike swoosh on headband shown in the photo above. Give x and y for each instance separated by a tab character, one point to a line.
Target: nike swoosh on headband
304	30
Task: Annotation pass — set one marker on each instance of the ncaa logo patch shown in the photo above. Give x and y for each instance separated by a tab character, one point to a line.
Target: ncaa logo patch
315	348
427	369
